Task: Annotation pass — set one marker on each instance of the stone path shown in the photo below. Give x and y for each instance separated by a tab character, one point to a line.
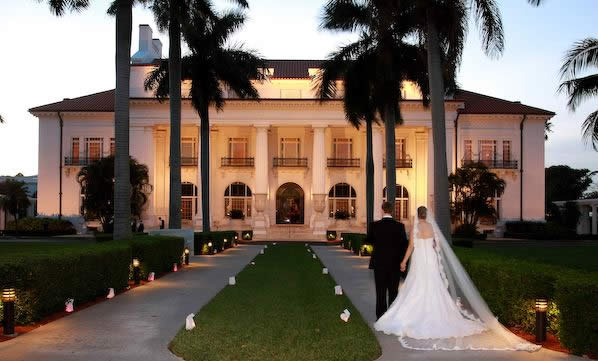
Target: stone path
352	273
137	325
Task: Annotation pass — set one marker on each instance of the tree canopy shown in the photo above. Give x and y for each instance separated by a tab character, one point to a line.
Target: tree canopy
564	183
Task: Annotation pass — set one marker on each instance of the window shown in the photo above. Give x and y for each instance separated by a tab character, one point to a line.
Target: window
188	147
237	147
112	147
237	196
188	201
342	148
82	202
342	198
401	202
400	149
487	150
506	150
290	147
94	148
75	150
467	150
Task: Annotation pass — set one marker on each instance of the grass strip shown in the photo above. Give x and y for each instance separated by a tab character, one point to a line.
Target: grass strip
282	308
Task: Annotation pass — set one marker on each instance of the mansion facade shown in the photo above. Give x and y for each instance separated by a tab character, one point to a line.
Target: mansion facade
289	162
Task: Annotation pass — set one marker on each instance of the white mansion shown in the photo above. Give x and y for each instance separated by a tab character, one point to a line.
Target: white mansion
289	161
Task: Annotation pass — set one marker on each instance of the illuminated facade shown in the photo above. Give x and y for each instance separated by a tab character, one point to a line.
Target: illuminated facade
289	161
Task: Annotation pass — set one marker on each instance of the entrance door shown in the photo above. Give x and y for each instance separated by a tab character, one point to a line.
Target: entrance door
289	204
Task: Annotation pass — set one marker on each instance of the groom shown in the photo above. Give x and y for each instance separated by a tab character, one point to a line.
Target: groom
390	244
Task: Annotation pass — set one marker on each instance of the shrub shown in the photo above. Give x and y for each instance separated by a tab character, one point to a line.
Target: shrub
42	226
353	241
201	239
157	253
468	231
538	230
236	214
45	282
343	215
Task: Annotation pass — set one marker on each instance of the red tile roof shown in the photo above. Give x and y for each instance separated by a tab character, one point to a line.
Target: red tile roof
475	103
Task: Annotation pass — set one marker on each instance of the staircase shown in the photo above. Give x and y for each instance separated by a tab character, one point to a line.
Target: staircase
291	232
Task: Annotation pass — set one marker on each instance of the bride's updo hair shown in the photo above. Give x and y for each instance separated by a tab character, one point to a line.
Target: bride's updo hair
422	212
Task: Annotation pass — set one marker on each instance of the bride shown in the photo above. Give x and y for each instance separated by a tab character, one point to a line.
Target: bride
439	307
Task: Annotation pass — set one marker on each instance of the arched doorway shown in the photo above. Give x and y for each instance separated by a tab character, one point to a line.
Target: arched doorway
290	204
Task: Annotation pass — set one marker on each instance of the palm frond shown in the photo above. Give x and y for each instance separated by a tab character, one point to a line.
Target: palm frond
580	89
158	82
590	129
346	15
487	16
582	55
1	119
60	7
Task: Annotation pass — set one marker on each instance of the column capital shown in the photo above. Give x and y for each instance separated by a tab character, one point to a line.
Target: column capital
319	126
261	126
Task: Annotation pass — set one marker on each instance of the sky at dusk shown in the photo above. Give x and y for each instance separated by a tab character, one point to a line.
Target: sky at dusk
44	59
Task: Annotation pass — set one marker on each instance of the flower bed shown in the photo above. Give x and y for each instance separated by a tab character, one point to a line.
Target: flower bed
216	238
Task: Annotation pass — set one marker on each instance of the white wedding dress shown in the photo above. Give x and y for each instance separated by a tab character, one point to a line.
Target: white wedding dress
438	306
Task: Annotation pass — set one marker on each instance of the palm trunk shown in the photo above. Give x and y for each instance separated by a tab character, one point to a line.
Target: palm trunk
391	164
122	183
174	67
437	91
205	170
369	178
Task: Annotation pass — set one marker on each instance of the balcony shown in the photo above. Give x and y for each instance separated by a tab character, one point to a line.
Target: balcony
491	163
189	161
289	162
344	162
237	162
406	162
79	161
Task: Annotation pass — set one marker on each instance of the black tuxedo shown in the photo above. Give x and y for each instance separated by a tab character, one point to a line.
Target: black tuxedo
390	244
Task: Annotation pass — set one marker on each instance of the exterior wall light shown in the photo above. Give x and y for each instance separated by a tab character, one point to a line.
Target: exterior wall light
186	256
9	296
541	308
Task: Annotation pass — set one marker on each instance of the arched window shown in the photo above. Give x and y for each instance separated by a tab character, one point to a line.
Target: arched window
341	198
237	196
188	201
401	202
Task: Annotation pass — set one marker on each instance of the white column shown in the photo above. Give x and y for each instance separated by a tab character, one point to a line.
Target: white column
422	165
378	155
261	179
198	216
319	221
594	219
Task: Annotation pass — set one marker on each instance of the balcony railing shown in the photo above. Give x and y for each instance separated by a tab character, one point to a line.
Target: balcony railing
492	163
237	162
289	162
406	162
187	161
80	161
344	162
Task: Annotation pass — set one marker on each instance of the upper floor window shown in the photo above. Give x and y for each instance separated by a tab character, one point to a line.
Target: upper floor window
467	149
188	147
237	147
94	148
506	150
112	147
290	148
400	149
487	149
342	148
75	149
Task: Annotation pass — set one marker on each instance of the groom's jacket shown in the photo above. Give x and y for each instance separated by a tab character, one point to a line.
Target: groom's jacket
390	244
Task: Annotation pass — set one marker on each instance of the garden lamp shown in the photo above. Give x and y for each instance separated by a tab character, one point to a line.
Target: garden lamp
136	273
186	256
541	308
9	296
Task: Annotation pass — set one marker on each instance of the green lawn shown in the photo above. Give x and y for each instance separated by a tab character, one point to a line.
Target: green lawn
580	257
282	308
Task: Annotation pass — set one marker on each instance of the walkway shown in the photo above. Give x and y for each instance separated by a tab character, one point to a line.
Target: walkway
352	273
137	325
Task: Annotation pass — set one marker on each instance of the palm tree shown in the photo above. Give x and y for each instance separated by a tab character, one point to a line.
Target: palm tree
170	15
14	199
582	56
210	66
356	64
377	53
123	11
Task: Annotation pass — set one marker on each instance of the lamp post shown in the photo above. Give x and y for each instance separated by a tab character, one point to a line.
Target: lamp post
9	296
136	275
210	249
541	308
186	256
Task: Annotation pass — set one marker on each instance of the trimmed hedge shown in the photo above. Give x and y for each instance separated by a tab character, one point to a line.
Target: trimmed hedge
511	286
35	226
45	275
538	230
157	253
353	241
201	240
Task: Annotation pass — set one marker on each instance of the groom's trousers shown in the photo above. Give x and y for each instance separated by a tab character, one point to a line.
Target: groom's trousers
387	285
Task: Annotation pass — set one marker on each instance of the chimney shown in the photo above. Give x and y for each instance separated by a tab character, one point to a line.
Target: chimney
149	49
